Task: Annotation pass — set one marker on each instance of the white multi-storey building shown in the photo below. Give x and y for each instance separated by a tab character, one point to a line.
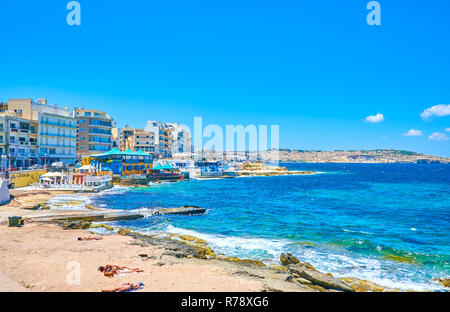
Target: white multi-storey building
19	139
56	129
180	138
170	138
57	138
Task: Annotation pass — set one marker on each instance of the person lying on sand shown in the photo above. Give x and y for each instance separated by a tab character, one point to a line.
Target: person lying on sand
126	287
112	270
89	238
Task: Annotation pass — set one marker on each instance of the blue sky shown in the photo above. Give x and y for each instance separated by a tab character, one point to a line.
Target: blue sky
316	68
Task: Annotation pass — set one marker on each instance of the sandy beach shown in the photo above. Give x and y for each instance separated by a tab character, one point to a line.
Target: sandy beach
38	257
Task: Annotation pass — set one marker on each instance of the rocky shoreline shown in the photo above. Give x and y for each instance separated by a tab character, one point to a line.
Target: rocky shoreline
252	173
167	248
291	275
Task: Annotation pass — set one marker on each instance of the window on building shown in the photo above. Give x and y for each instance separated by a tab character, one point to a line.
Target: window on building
24	126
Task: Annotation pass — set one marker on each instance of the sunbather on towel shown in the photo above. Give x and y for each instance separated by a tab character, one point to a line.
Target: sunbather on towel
112	270
89	238
126	287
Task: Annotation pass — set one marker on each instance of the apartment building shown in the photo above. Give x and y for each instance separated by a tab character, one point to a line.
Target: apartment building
56	135
3	136
115	137
125	133
3	107
181	141
142	140
165	141
162	137
170	138
18	140
94	132
138	139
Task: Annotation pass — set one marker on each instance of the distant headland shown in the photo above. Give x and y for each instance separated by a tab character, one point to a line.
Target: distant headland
354	156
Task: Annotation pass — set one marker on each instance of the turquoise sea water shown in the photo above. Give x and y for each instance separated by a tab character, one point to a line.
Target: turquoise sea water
389	223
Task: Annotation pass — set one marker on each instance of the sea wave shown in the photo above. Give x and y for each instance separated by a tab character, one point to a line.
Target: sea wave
69	202
383	272
115	190
353	231
248	247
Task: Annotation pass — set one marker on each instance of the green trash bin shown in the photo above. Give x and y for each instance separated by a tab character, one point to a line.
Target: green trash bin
15	221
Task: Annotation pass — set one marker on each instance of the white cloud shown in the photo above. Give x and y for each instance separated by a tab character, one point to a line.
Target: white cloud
438	136
413	132
436	110
375	118
448	129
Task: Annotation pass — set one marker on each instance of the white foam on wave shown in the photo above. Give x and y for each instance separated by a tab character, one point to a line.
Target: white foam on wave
360	232
237	246
383	272
146	212
69	202
115	190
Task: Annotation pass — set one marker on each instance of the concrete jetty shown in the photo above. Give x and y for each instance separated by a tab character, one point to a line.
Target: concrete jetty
187	210
110	215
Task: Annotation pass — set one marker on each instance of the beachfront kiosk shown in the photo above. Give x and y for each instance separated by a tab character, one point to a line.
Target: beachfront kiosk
165	172
124	163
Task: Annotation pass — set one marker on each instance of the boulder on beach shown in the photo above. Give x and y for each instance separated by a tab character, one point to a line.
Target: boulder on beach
76	225
319	278
287	259
124	232
444	281
361	285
